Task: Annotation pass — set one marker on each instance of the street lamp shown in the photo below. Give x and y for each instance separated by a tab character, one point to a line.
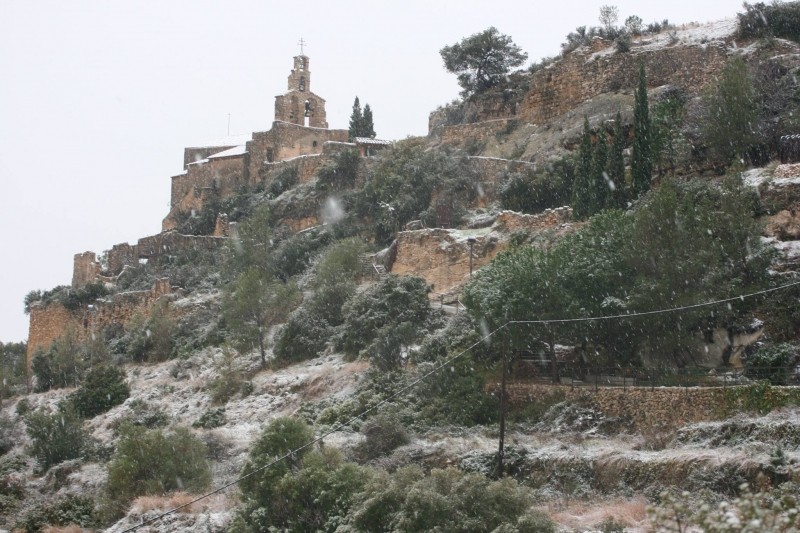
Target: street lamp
471	241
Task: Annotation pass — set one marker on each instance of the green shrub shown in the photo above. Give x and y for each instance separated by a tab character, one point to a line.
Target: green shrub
378	312
7	440
212	418
56	436
382	434
445	500
293	255
778	19
150	339
302	337
771	362
341	173
70	510
141	414
151	462
283	181
102	388
314	497
229	378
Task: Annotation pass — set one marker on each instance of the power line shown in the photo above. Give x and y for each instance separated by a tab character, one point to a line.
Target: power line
741	297
441	365
321	437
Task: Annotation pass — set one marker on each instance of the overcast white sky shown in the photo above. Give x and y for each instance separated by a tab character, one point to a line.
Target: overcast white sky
99	98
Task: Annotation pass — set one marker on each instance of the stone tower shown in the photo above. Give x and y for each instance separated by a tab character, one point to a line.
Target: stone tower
299	105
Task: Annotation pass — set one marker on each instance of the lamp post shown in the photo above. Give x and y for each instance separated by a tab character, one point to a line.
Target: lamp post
471	241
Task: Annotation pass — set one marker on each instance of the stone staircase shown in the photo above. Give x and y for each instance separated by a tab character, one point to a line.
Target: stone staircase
370	269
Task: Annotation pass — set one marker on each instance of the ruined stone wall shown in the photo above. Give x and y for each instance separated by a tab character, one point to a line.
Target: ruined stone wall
195	154
441	256
49	322
581	76
85	269
154	246
220	176
477	132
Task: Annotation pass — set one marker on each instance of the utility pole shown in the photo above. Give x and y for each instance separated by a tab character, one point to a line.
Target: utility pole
471	241
501	448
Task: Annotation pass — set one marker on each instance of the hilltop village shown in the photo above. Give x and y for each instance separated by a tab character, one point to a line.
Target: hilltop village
501	326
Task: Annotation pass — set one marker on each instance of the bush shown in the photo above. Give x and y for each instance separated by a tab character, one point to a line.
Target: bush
533	193
302	337
152	340
70	510
7	440
317	496
281	436
285	180
56	437
103	388
60	366
775	20
152	462
772	362
342	173
212	418
141	414
397	305
382	434
229	378
445	500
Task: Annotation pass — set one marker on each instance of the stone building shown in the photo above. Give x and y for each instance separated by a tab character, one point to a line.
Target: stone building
217	169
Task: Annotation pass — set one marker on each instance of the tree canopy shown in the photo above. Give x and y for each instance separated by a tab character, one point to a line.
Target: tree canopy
482	61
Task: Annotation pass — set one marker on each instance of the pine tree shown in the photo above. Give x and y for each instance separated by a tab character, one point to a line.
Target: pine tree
581	185
616	167
642	158
599	185
356	120
368	128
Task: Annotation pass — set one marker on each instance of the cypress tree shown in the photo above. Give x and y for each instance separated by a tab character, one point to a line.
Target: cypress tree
642	157
368	128
581	185
616	166
599	184
356	120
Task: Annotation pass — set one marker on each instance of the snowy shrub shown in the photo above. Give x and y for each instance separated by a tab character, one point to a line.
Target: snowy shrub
341	173
444	500
102	388
212	418
772	362
382	434
141	414
303	336
281	436
70	510
376	315
774	509
56	437
285	179
778	19
151	462
314	496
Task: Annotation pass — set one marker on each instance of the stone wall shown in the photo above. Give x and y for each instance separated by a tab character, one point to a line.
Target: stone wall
442	256
660	407
50	322
286	141
85	269
582	75
477	132
154	246
306	166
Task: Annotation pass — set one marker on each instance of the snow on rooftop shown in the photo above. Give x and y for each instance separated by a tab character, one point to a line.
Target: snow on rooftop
230	140
230	152
369	140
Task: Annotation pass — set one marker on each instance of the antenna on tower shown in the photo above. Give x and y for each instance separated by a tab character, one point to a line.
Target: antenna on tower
302	43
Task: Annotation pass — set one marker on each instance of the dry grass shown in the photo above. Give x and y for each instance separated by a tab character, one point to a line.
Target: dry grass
582	515
64	529
144	504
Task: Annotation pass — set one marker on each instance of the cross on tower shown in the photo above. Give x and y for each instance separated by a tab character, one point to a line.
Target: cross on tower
302	43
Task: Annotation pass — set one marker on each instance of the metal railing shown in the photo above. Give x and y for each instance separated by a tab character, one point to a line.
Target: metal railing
595	377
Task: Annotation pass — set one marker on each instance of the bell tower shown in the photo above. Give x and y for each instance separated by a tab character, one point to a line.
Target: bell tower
299	105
